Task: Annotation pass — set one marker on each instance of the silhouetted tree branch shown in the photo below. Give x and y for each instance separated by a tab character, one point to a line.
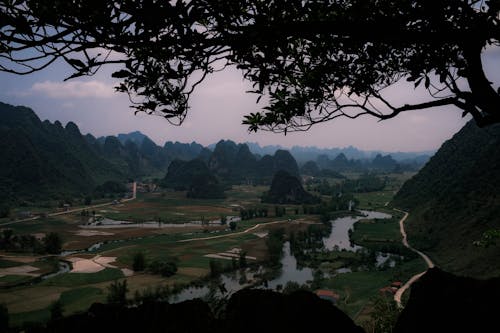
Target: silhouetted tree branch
314	60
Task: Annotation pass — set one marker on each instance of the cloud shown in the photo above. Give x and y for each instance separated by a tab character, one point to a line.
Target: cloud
74	89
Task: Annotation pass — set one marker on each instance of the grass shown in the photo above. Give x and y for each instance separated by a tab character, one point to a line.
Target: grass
358	288
80	279
170	207
191	254
373	200
9	263
14	279
376	230
35	316
76	300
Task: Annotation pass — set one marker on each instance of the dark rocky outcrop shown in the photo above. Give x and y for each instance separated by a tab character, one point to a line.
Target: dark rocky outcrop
443	302
247	311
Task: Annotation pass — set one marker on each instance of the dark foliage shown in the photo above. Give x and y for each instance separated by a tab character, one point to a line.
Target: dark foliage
316	60
41	160
53	243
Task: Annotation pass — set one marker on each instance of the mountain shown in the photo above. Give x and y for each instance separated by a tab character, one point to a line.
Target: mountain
184	151
195	177
235	163
454	199
135	137
287	189
311	153
43	161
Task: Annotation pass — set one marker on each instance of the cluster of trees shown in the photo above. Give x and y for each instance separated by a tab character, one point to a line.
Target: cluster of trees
51	243
109	189
367	182
274	242
304	243
217	267
166	268
253	212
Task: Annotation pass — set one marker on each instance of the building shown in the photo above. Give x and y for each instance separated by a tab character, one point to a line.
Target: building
327	295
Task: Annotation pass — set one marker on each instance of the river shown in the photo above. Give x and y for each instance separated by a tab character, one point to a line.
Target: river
339	237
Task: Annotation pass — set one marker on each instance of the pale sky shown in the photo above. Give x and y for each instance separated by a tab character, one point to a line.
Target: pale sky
217	109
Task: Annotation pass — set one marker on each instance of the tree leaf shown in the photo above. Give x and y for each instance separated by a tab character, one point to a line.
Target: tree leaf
75	63
123	73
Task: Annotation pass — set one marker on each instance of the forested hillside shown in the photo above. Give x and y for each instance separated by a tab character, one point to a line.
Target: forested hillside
41	160
454	199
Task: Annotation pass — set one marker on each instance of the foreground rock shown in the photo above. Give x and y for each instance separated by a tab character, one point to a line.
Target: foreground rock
247	311
443	302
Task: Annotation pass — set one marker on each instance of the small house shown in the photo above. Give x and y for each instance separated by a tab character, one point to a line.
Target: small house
328	295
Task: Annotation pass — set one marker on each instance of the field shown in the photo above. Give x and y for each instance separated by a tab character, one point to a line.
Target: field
381	199
187	246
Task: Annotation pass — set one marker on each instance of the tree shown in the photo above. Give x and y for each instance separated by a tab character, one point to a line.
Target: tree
139	262
56	310
243	259
232	225
117	292
215	268
4	210
385	314
53	243
315	60
165	268
4	318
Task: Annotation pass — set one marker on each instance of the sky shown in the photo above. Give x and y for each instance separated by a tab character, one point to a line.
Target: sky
217	109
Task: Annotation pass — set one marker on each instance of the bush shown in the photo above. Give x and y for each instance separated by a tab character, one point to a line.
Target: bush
139	263
164	268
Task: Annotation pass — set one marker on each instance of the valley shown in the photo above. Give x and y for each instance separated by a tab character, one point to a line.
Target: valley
121	220
191	235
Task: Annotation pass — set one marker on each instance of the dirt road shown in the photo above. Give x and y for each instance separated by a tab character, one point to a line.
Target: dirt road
238	233
428	261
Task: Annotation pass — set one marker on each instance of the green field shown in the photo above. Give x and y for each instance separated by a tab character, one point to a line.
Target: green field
80	279
357	289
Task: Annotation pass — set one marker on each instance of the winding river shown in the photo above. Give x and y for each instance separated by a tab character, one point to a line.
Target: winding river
339	237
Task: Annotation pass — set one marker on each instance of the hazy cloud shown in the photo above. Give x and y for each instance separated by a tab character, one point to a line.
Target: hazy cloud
74	89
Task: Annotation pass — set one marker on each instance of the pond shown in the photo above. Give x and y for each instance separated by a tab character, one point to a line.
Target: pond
339	237
233	282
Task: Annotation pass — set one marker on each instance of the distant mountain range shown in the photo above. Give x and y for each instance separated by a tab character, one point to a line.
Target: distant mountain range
45	161
454	199
304	154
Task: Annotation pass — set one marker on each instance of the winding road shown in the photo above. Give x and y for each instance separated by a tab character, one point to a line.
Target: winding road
428	261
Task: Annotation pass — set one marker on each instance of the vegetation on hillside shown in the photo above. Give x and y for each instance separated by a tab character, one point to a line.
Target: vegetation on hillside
454	199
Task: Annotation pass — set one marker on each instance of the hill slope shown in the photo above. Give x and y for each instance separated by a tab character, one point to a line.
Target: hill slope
41	160
454	199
